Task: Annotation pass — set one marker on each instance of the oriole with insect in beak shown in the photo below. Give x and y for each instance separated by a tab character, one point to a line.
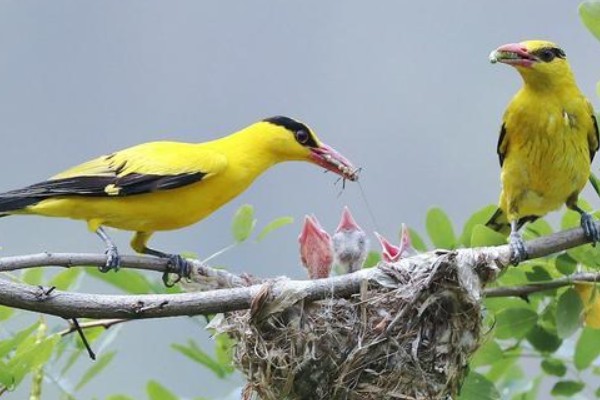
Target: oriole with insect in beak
548	139
162	186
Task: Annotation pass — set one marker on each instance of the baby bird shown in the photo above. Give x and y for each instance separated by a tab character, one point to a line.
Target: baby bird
316	250
391	253
350	244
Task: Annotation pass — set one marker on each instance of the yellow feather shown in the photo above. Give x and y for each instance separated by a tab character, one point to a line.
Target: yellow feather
549	136
221	169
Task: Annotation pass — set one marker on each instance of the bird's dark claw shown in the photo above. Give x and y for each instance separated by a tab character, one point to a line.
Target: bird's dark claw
177	265
113	260
590	229
518	249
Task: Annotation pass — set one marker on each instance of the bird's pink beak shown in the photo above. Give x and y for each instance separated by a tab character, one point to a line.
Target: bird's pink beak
389	252
513	54
316	250
347	222
405	242
328	158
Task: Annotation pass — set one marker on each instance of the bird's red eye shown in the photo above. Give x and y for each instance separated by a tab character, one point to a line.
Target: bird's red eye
302	136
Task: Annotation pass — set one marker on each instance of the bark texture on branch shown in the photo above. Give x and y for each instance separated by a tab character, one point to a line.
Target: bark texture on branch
236	295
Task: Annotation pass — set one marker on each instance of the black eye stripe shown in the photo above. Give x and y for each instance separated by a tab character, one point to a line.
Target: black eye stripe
296	127
544	52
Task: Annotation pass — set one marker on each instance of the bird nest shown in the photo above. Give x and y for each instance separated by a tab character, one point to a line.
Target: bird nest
408	334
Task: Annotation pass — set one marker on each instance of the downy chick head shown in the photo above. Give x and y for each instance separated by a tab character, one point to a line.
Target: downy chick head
350	244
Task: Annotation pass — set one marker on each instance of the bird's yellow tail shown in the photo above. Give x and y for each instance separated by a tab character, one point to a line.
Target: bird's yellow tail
499	222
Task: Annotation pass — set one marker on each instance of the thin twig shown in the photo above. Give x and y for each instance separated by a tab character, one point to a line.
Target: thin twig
77	305
84	340
524	290
104	323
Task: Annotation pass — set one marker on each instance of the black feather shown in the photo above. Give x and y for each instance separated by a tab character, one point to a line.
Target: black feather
94	186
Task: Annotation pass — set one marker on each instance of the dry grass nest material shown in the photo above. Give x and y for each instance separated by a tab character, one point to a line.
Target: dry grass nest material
408	335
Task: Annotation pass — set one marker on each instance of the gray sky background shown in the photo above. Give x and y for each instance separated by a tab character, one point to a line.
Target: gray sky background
403	89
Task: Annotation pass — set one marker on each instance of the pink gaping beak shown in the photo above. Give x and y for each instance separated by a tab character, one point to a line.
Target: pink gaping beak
513	54
389	252
328	158
347	222
316	252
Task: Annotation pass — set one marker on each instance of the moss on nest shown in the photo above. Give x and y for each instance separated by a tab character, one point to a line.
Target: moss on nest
408	335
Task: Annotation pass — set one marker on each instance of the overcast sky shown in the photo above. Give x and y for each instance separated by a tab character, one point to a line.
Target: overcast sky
403	89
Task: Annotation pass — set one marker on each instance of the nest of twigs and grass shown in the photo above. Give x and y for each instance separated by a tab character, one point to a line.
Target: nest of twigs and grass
408	334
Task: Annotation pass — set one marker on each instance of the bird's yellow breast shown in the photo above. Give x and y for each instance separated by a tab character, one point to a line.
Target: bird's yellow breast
547	153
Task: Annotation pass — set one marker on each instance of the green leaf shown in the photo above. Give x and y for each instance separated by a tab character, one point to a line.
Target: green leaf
373	258
31	354
439	228
589	12
568	313
593	178
95	369
224	352
497	304
565	264
479	217
6	376
243	223
543	340
156	391
6	313
538	274
532	390
503	366
515	322
128	280
539	227
512	277
567	388
597	392
274	225
6	346
587	348
33	276
570	219
483	236
478	387
487	354
416	240
553	366
195	353
65	279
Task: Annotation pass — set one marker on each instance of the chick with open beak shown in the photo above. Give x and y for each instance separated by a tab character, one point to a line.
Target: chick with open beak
316	252
350	244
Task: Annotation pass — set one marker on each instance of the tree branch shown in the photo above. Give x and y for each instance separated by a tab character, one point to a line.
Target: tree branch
77	305
222	277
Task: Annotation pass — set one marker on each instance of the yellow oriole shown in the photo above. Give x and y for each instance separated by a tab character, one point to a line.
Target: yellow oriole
168	185
547	142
